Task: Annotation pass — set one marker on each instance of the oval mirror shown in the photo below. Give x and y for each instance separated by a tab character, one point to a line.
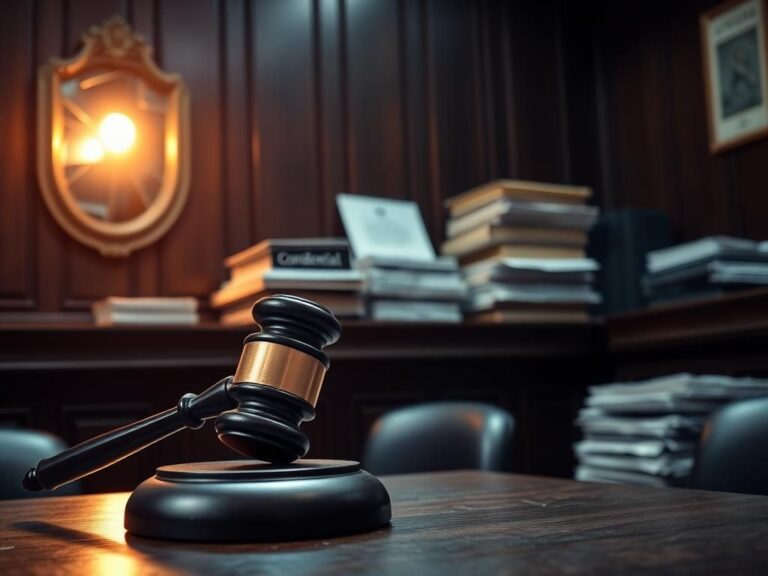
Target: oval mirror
113	157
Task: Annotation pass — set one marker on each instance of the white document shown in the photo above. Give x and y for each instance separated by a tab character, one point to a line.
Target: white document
384	228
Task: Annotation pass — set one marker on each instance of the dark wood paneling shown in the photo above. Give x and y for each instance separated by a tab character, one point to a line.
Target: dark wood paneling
191	257
81	267
545	440
413	64
141	15
16	157
455	104
321	430
650	85
293	102
13	417
48	239
579	93
750	179
702	179
727	335
538	113
375	136
81	422
331	118
637	108
236	158
284	101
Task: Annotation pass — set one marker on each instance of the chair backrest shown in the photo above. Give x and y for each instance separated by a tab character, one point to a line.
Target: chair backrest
440	436
733	449
20	450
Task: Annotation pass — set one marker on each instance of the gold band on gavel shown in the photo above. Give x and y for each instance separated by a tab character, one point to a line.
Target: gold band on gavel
281	367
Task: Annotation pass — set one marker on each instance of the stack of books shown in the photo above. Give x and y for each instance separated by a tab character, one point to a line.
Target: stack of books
118	310
319	269
647	432
705	268
404	290
521	246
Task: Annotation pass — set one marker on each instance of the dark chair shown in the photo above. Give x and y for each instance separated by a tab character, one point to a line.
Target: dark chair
440	436
733	449
20	450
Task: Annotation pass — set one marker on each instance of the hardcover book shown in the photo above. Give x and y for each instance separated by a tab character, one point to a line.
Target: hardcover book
299	253
515	190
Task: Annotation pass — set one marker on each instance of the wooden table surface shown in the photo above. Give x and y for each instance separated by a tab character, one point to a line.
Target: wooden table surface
444	523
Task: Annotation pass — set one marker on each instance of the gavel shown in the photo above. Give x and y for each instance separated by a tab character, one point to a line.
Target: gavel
258	411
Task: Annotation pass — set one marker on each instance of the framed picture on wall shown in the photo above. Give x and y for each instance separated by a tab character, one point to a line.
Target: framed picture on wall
733	40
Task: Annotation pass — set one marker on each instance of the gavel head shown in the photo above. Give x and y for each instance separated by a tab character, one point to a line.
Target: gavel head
278	379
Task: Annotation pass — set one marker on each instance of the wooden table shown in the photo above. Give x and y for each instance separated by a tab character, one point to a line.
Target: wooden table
443	524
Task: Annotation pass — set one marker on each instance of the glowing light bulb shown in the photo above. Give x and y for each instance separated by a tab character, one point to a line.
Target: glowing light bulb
89	151
117	132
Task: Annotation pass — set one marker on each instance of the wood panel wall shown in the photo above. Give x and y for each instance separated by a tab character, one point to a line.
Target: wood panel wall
293	101
653	125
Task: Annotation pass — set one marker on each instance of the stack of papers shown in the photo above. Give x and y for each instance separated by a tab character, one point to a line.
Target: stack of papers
646	432
532	289
405	290
704	268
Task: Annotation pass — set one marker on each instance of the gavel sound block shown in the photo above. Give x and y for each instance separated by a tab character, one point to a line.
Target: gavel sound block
258	413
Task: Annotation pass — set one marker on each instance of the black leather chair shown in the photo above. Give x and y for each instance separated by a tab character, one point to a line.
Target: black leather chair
20	450
440	436
733	449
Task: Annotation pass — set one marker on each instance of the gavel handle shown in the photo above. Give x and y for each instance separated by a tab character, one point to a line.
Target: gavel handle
110	447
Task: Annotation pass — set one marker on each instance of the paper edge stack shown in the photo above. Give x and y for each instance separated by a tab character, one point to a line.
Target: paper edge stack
403	290
646	432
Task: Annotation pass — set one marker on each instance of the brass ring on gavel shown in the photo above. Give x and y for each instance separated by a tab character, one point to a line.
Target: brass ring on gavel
281	367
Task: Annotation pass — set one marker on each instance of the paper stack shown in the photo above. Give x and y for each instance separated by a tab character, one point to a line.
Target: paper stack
404	280
120	310
646	432
521	246
410	290
318	269
705	268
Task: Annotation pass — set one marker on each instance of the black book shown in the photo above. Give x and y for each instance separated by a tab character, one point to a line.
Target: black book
620	241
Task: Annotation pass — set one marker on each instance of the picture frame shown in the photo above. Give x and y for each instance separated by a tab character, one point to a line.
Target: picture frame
735	60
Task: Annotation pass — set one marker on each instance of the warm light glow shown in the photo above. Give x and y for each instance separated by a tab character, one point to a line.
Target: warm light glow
105	520
90	151
117	132
108	551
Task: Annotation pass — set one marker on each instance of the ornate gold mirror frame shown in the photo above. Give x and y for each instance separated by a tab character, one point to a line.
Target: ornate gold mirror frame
113	201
